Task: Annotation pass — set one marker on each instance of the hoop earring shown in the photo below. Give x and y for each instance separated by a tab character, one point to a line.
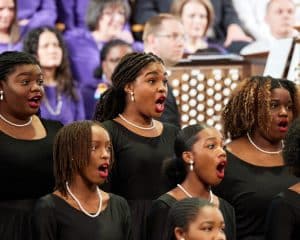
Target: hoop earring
191	163
1	95
132	97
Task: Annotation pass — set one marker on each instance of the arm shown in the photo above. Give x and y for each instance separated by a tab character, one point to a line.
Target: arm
44	222
280	220
38	14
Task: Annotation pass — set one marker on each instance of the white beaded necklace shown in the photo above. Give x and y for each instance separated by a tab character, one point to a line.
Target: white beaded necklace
152	126
80	206
261	150
190	195
15	124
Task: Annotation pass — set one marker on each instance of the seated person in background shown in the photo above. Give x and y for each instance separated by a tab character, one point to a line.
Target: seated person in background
283	219
164	36
10	32
106	20
227	30
110	55
252	15
280	19
196	16
62	100
78	208
72	13
37	13
197	219
200	163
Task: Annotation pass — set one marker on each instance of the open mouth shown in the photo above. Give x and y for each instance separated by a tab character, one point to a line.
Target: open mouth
103	170
221	169
35	101
283	126
160	104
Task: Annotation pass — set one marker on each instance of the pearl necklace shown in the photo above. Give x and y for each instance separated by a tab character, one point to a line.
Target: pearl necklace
190	195
15	124
136	126
80	206
261	150
58	108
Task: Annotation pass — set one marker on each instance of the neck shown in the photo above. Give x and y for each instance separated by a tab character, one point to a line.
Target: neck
82	190
5	37
99	36
264	143
195	187
140	120
49	76
13	121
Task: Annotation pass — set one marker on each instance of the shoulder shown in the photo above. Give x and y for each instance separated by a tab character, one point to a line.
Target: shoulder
170	128
164	201
51	124
45	203
118	201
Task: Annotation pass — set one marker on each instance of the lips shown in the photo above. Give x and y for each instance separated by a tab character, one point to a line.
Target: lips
160	104
35	101
221	169
103	170
283	125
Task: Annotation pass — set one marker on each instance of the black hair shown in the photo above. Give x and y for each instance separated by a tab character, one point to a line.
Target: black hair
182	213
71	151
175	169
11	59
113	100
291	149
105	51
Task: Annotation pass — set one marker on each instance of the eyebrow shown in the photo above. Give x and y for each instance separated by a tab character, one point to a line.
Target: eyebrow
213	138
155	73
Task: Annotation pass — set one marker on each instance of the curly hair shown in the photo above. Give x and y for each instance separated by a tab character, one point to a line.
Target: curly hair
291	149
113	100
249	105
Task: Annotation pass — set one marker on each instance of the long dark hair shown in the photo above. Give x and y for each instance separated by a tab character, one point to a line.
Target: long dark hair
113	100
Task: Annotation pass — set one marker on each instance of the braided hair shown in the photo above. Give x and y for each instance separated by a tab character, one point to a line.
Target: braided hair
71	151
249	105
113	100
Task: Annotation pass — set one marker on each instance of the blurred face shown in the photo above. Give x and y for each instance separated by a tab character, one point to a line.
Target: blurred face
97	169
194	17
209	225
209	156
150	90
281	106
7	14
23	91
168	43
49	52
113	58
281	18
112	21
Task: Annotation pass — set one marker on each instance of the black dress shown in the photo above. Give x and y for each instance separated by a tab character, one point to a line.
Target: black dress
283	219
26	174
250	189
156	226
137	173
55	219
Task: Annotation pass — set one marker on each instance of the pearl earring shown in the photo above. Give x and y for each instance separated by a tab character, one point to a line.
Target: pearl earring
191	163
132	97
1	95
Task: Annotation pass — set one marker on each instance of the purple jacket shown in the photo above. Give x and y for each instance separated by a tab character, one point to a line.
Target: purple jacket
70	110
39	12
72	13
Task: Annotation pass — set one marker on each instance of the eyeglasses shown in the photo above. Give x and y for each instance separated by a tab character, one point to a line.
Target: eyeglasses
173	36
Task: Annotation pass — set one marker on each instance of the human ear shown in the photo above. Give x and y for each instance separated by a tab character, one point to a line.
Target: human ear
179	233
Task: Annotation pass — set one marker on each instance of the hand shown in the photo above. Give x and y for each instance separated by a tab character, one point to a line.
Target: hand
235	33
23	22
